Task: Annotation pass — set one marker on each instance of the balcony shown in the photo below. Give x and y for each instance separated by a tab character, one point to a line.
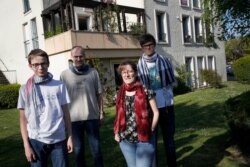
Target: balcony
90	40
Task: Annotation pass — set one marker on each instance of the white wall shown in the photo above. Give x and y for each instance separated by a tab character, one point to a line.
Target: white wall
58	63
12	51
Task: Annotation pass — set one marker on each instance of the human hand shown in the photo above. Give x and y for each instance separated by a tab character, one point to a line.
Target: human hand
29	153
70	144
117	137
101	118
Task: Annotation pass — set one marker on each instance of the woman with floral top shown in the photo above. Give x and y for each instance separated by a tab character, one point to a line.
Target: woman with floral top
136	118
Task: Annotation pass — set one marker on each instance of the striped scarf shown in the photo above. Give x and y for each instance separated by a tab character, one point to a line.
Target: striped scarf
33	97
163	66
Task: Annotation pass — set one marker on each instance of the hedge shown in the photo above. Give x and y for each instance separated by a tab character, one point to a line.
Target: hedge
9	95
238	119
241	68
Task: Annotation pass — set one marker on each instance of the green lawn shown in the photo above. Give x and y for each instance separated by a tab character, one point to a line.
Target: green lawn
202	137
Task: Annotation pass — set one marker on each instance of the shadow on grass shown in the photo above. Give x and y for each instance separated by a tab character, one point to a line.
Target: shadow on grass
209	154
195	116
12	152
192	119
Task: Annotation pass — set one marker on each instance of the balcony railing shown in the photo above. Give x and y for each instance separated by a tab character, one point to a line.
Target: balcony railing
90	40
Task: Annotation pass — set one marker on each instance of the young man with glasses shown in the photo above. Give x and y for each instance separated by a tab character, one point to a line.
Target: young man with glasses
86	108
44	116
156	73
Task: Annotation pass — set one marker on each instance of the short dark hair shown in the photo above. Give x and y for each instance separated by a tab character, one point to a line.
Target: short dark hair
147	38
127	62
37	52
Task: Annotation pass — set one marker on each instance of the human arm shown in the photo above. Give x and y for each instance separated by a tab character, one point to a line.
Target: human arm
116	127
100	104
155	110
29	153
66	117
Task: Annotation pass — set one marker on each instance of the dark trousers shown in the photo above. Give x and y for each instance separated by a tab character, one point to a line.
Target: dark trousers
167	125
91	127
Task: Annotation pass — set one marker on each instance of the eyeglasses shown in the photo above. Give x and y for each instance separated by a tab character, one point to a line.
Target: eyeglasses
127	72
37	65
148	45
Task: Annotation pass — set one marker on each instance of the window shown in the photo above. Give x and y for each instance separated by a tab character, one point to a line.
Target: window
34	34
161	0
83	23
184	2
189	62
186	28
198	30
84	19
211	62
26	36
161	26
26	6
200	67
197	4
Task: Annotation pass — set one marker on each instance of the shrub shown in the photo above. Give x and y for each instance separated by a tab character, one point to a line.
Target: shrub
241	68
106	78
238	119
212	78
182	78
9	95
181	87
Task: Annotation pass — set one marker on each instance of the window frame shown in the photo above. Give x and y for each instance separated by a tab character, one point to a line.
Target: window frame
26	39
26	6
196	7
164	22
189	30
163	1
34	33
201	32
183	5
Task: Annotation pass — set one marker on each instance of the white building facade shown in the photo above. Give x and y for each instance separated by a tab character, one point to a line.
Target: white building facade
176	25
179	31
21	32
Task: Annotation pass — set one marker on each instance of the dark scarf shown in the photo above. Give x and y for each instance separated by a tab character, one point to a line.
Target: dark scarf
140	108
163	66
81	70
33	97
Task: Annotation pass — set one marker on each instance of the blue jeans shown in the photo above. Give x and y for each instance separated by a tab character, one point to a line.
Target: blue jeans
167	124
139	154
91	127
57	152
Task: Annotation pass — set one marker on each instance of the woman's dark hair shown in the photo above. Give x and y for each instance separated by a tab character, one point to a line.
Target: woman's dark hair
127	62
147	38
37	52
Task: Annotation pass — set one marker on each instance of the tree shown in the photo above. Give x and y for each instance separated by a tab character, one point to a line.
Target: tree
236	48
233	49
232	16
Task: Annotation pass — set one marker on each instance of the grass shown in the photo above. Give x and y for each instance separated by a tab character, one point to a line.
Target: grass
202	138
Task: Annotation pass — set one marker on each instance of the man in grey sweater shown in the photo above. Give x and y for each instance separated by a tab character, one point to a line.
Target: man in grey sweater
86	107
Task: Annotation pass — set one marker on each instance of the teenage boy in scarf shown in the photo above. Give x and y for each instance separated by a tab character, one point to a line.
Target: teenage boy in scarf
44	116
86	108
156	73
